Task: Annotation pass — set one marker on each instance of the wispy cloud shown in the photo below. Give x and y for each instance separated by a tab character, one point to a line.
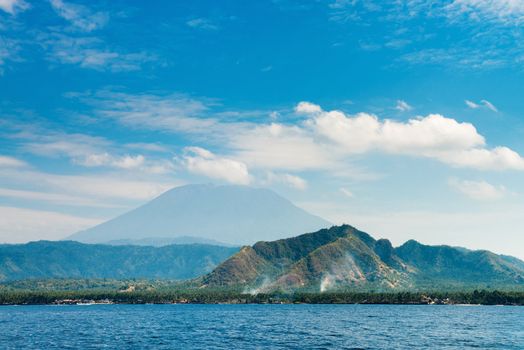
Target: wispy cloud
80	16
202	23
478	190
112	187
466	58
105	159
323	140
495	25
482	103
472	104
86	150
9	49
397	43
346	192
10	162
507	12
289	180
147	146
137	163
90	52
55	198
403	106
489	105
21	225
173	112
13	6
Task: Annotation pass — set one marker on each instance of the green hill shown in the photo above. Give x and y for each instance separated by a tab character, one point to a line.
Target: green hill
68	259
343	257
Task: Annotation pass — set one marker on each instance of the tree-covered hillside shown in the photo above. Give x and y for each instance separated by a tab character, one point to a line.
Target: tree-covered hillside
344	258
68	259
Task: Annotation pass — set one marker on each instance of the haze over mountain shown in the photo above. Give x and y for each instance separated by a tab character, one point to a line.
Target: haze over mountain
66	259
230	214
343	257
164	241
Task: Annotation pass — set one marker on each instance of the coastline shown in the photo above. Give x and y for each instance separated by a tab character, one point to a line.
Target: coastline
477	297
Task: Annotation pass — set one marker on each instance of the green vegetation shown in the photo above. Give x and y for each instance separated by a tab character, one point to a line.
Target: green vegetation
343	258
167	296
336	265
68	259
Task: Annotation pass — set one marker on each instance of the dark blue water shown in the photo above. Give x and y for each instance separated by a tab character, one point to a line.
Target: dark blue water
261	326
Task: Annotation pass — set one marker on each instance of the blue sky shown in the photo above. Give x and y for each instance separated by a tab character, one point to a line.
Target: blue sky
403	118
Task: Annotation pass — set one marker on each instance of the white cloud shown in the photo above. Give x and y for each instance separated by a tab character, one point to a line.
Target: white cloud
287	179
9	49
483	103
94	160
489	105
495	26
19	225
13	6
503	11
365	132
90	151
278	146
56	198
110	186
10	162
151	147
478	190
434	136
472	104
129	162
201	161
105	159
459	57
58	144
174	113
346	192
324	141
200	152
307	108
202	23
80	16
403	106
90	52
498	158
107	186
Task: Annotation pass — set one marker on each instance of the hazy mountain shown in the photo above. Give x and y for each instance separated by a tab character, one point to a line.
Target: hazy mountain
163	241
343	257
67	259
231	214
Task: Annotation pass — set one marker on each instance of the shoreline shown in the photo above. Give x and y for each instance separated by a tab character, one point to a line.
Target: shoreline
103	297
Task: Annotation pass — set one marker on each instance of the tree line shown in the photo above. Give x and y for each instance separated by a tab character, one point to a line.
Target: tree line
210	296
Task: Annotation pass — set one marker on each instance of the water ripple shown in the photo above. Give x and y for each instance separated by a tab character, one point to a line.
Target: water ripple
261	326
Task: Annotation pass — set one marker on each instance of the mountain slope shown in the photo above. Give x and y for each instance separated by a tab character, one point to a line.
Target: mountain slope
343	257
448	265
229	214
69	259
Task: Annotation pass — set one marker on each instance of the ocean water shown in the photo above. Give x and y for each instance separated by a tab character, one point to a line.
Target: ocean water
261	327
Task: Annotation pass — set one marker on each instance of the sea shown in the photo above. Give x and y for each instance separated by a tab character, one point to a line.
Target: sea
261	327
